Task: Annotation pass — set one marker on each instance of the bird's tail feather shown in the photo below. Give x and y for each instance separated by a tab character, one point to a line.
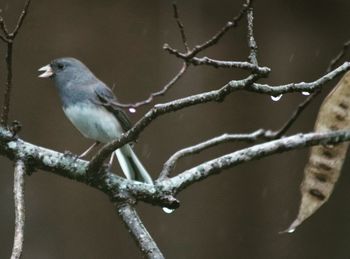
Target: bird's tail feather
131	165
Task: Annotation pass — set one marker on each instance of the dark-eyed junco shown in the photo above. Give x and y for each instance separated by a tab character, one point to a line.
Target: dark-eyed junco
91	106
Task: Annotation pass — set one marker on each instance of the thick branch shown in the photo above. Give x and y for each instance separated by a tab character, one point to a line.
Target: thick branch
161	193
18	191
67	165
138	231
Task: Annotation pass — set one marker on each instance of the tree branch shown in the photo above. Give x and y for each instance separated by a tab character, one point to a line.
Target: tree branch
299	87
251	41
138	231
215	38
161	92
18	191
198	173
160	194
9	38
169	165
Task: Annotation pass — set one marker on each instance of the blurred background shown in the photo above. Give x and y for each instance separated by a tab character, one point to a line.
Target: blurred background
236	214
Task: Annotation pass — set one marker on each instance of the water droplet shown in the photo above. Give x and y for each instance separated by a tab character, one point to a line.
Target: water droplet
276	98
132	110
167	210
305	93
291	230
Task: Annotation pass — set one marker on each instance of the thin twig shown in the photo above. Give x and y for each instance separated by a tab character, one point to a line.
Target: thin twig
138	231
338	57
3	27
215	38
159	93
8	84
229	64
18	191
169	165
181	26
302	106
251	41
21	19
182	70
9	38
297	112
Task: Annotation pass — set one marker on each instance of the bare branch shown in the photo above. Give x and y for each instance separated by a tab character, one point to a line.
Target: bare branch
20	19
182	70
160	194
159	93
229	64
9	40
297	112
214	39
302	106
4	39
3	27
299	87
169	165
217	165
18	191
138	231
181	27
340	55
251	41
69	166
8	84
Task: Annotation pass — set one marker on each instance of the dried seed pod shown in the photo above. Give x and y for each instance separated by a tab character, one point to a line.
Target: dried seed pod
325	162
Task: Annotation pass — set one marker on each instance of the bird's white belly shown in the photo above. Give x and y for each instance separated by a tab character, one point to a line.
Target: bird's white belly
94	122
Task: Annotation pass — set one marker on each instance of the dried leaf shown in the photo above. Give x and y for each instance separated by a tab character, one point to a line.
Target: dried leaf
325	163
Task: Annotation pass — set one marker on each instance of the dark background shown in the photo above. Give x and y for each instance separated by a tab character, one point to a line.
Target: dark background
237	214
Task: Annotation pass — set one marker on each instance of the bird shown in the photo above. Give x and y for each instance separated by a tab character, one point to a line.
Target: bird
92	108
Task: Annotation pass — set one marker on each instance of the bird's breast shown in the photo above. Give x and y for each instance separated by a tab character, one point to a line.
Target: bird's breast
94	121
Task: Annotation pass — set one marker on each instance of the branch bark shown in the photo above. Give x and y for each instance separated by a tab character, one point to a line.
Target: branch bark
18	191
138	231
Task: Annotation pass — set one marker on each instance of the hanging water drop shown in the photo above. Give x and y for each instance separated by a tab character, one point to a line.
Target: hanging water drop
132	110
276	98
305	93
291	230
167	210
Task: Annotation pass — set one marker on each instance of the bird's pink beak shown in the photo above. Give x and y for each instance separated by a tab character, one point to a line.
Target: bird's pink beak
47	71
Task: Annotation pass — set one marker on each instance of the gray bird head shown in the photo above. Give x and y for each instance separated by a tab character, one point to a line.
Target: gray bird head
67	71
73	80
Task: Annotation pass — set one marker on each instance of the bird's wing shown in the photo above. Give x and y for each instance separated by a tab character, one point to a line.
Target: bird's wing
106	98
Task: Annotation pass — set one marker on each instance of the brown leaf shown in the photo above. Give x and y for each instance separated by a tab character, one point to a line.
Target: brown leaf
325	162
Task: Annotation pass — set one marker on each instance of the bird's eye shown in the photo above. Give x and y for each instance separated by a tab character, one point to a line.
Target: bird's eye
60	66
